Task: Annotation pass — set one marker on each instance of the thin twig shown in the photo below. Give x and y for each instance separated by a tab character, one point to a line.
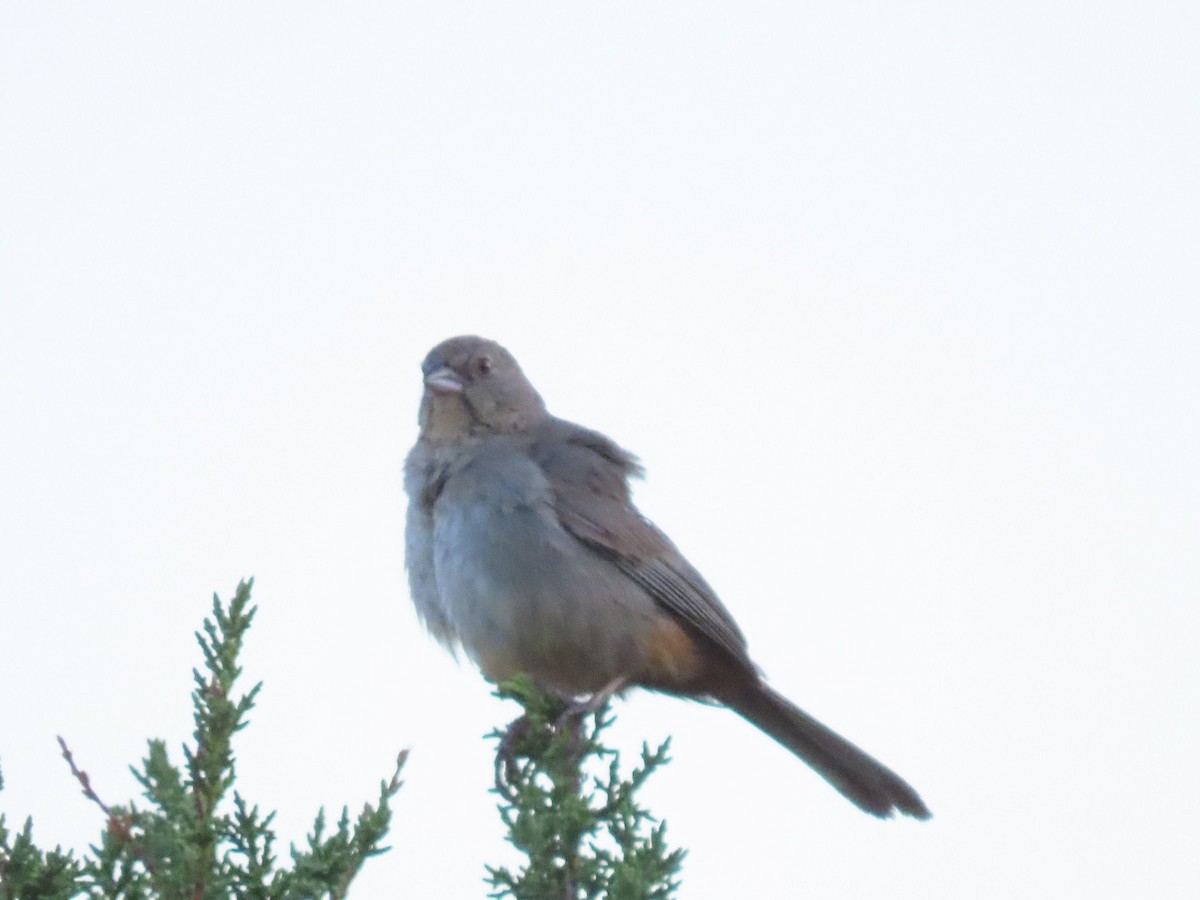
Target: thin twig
84	781
120	827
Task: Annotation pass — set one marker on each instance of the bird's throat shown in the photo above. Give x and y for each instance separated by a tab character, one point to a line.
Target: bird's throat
445	417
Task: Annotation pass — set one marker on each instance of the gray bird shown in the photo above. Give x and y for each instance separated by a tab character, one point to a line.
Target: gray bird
524	549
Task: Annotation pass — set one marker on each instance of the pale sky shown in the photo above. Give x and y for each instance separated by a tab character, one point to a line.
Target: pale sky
900	307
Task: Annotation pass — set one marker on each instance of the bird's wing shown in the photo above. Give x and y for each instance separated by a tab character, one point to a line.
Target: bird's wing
589	475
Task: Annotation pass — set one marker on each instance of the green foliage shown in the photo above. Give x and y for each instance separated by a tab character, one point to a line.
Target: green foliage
27	872
584	835
194	840
193	837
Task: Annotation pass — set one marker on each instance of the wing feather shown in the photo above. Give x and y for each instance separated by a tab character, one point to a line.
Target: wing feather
589	477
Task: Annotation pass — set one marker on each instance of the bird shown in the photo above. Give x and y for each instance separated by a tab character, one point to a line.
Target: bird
523	548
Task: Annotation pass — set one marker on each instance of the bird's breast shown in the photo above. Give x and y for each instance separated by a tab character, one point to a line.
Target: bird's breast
525	596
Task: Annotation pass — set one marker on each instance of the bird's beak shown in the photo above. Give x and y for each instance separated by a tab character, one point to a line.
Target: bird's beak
443	381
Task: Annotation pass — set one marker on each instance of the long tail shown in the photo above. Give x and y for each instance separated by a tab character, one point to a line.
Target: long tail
866	783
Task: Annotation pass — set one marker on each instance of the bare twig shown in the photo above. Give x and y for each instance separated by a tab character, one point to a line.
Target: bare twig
119	827
84	782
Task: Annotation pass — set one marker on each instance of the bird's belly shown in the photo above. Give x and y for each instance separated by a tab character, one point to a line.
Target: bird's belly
525	597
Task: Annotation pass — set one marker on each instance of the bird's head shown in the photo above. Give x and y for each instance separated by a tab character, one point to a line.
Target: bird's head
474	385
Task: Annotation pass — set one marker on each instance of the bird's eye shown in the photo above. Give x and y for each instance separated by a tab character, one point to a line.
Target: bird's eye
483	365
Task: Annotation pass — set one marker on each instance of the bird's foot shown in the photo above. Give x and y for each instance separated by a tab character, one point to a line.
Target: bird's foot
577	710
568	723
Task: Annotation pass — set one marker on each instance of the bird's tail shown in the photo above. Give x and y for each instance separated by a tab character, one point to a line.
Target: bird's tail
866	783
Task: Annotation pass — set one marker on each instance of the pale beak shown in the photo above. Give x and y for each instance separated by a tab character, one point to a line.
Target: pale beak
443	381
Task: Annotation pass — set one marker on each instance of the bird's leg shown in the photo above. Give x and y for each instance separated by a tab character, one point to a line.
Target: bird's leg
578	709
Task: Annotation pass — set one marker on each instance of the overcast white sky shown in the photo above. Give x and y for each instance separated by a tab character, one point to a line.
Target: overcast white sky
899	305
